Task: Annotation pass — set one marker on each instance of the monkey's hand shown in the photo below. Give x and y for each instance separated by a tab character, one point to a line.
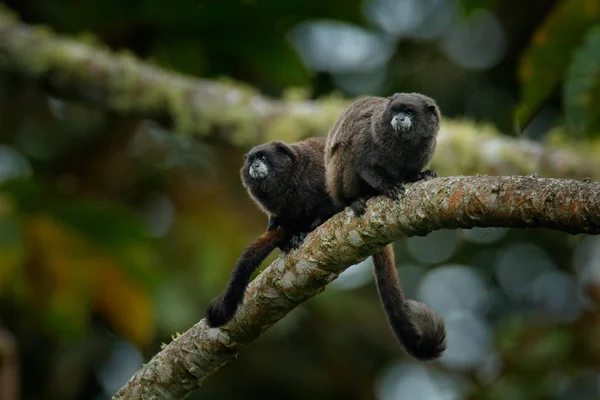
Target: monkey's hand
359	206
395	192
419	176
294	241
297	238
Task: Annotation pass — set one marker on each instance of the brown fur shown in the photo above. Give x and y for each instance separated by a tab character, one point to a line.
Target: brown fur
420	331
366	156
292	193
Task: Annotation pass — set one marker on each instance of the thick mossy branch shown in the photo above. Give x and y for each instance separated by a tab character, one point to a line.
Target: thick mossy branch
125	85
239	115
443	203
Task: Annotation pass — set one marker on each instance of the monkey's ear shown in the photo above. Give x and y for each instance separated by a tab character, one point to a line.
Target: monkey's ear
284	149
431	107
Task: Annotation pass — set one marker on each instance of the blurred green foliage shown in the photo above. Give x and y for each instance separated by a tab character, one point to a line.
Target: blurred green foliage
564	49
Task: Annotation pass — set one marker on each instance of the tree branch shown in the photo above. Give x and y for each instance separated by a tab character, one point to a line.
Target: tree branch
239	115
455	202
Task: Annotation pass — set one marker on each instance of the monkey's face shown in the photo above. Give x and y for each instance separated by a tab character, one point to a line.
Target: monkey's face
402	118
267	164
411	114
258	168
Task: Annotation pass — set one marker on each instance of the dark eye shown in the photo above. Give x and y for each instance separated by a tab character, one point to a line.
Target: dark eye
262	157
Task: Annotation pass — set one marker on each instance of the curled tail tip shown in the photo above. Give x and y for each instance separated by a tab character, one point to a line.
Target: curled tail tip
429	332
217	313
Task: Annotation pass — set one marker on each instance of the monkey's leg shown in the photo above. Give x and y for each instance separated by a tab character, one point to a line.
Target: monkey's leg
380	180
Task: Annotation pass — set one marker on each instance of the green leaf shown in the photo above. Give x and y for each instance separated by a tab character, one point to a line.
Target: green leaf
544	64
581	98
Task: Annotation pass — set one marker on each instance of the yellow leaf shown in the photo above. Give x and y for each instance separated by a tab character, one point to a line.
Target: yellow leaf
124	305
70	269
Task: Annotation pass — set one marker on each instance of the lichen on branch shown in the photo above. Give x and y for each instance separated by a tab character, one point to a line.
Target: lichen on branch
444	203
237	114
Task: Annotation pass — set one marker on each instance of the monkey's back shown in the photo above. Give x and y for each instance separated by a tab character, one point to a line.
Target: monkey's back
349	145
307	197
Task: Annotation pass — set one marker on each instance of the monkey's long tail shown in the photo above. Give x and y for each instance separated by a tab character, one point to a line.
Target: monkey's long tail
421	332
222	308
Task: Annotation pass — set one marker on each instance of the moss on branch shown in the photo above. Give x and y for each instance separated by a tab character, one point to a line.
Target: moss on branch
238	114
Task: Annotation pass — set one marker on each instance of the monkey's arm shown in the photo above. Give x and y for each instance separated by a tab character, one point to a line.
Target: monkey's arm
223	307
380	180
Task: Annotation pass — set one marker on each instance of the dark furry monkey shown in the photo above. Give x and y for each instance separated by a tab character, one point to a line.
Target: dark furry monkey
287	181
375	146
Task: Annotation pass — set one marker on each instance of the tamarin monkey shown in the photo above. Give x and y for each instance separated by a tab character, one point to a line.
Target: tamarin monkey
374	147
286	181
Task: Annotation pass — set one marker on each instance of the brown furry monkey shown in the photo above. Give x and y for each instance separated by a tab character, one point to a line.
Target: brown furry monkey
375	146
287	181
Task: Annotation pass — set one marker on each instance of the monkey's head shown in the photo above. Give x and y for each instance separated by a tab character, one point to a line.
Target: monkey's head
411	115
267	166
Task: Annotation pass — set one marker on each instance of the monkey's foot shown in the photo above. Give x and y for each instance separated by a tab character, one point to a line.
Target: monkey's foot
359	206
219	312
295	241
422	175
396	192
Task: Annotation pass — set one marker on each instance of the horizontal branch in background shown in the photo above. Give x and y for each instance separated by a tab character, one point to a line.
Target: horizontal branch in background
238	114
456	202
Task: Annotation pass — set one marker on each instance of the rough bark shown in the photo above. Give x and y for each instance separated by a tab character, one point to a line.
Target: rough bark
239	115
455	202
